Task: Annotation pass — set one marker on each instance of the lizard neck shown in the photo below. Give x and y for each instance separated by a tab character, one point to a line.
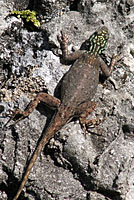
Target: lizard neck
92	59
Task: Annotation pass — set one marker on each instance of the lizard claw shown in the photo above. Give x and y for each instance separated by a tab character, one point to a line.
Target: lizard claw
116	58
88	122
15	114
63	39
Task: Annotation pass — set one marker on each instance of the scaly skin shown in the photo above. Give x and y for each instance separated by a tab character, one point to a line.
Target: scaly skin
77	90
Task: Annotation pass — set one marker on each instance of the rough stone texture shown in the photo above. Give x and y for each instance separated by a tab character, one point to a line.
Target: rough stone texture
99	167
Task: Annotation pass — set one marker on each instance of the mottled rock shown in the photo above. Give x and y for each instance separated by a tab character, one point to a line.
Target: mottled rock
70	167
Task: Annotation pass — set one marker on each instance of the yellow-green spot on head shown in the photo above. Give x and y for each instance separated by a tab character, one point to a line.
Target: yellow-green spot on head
98	41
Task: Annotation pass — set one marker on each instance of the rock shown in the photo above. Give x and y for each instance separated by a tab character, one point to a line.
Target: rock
70	167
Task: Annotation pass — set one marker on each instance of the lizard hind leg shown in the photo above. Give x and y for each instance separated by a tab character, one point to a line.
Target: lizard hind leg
50	101
83	110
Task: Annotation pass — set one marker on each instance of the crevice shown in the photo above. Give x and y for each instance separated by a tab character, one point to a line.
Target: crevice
113	195
74	5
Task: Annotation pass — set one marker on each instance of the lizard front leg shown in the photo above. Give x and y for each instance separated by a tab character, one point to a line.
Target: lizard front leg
63	40
107	70
47	99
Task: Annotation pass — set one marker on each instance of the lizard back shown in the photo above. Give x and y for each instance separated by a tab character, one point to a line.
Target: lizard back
80	82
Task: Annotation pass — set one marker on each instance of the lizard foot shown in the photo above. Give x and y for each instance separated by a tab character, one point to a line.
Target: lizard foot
63	39
16	115
115	59
85	123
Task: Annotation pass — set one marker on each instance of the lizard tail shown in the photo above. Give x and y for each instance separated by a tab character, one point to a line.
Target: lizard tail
56	124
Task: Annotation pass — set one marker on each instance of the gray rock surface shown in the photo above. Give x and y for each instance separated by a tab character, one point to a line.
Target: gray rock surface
71	167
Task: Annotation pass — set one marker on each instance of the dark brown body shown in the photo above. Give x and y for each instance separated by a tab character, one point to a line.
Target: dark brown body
78	87
80	82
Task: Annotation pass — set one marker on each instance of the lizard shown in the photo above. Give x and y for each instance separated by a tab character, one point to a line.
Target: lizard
78	88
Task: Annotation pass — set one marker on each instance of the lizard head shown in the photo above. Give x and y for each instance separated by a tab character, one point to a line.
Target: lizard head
98	41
